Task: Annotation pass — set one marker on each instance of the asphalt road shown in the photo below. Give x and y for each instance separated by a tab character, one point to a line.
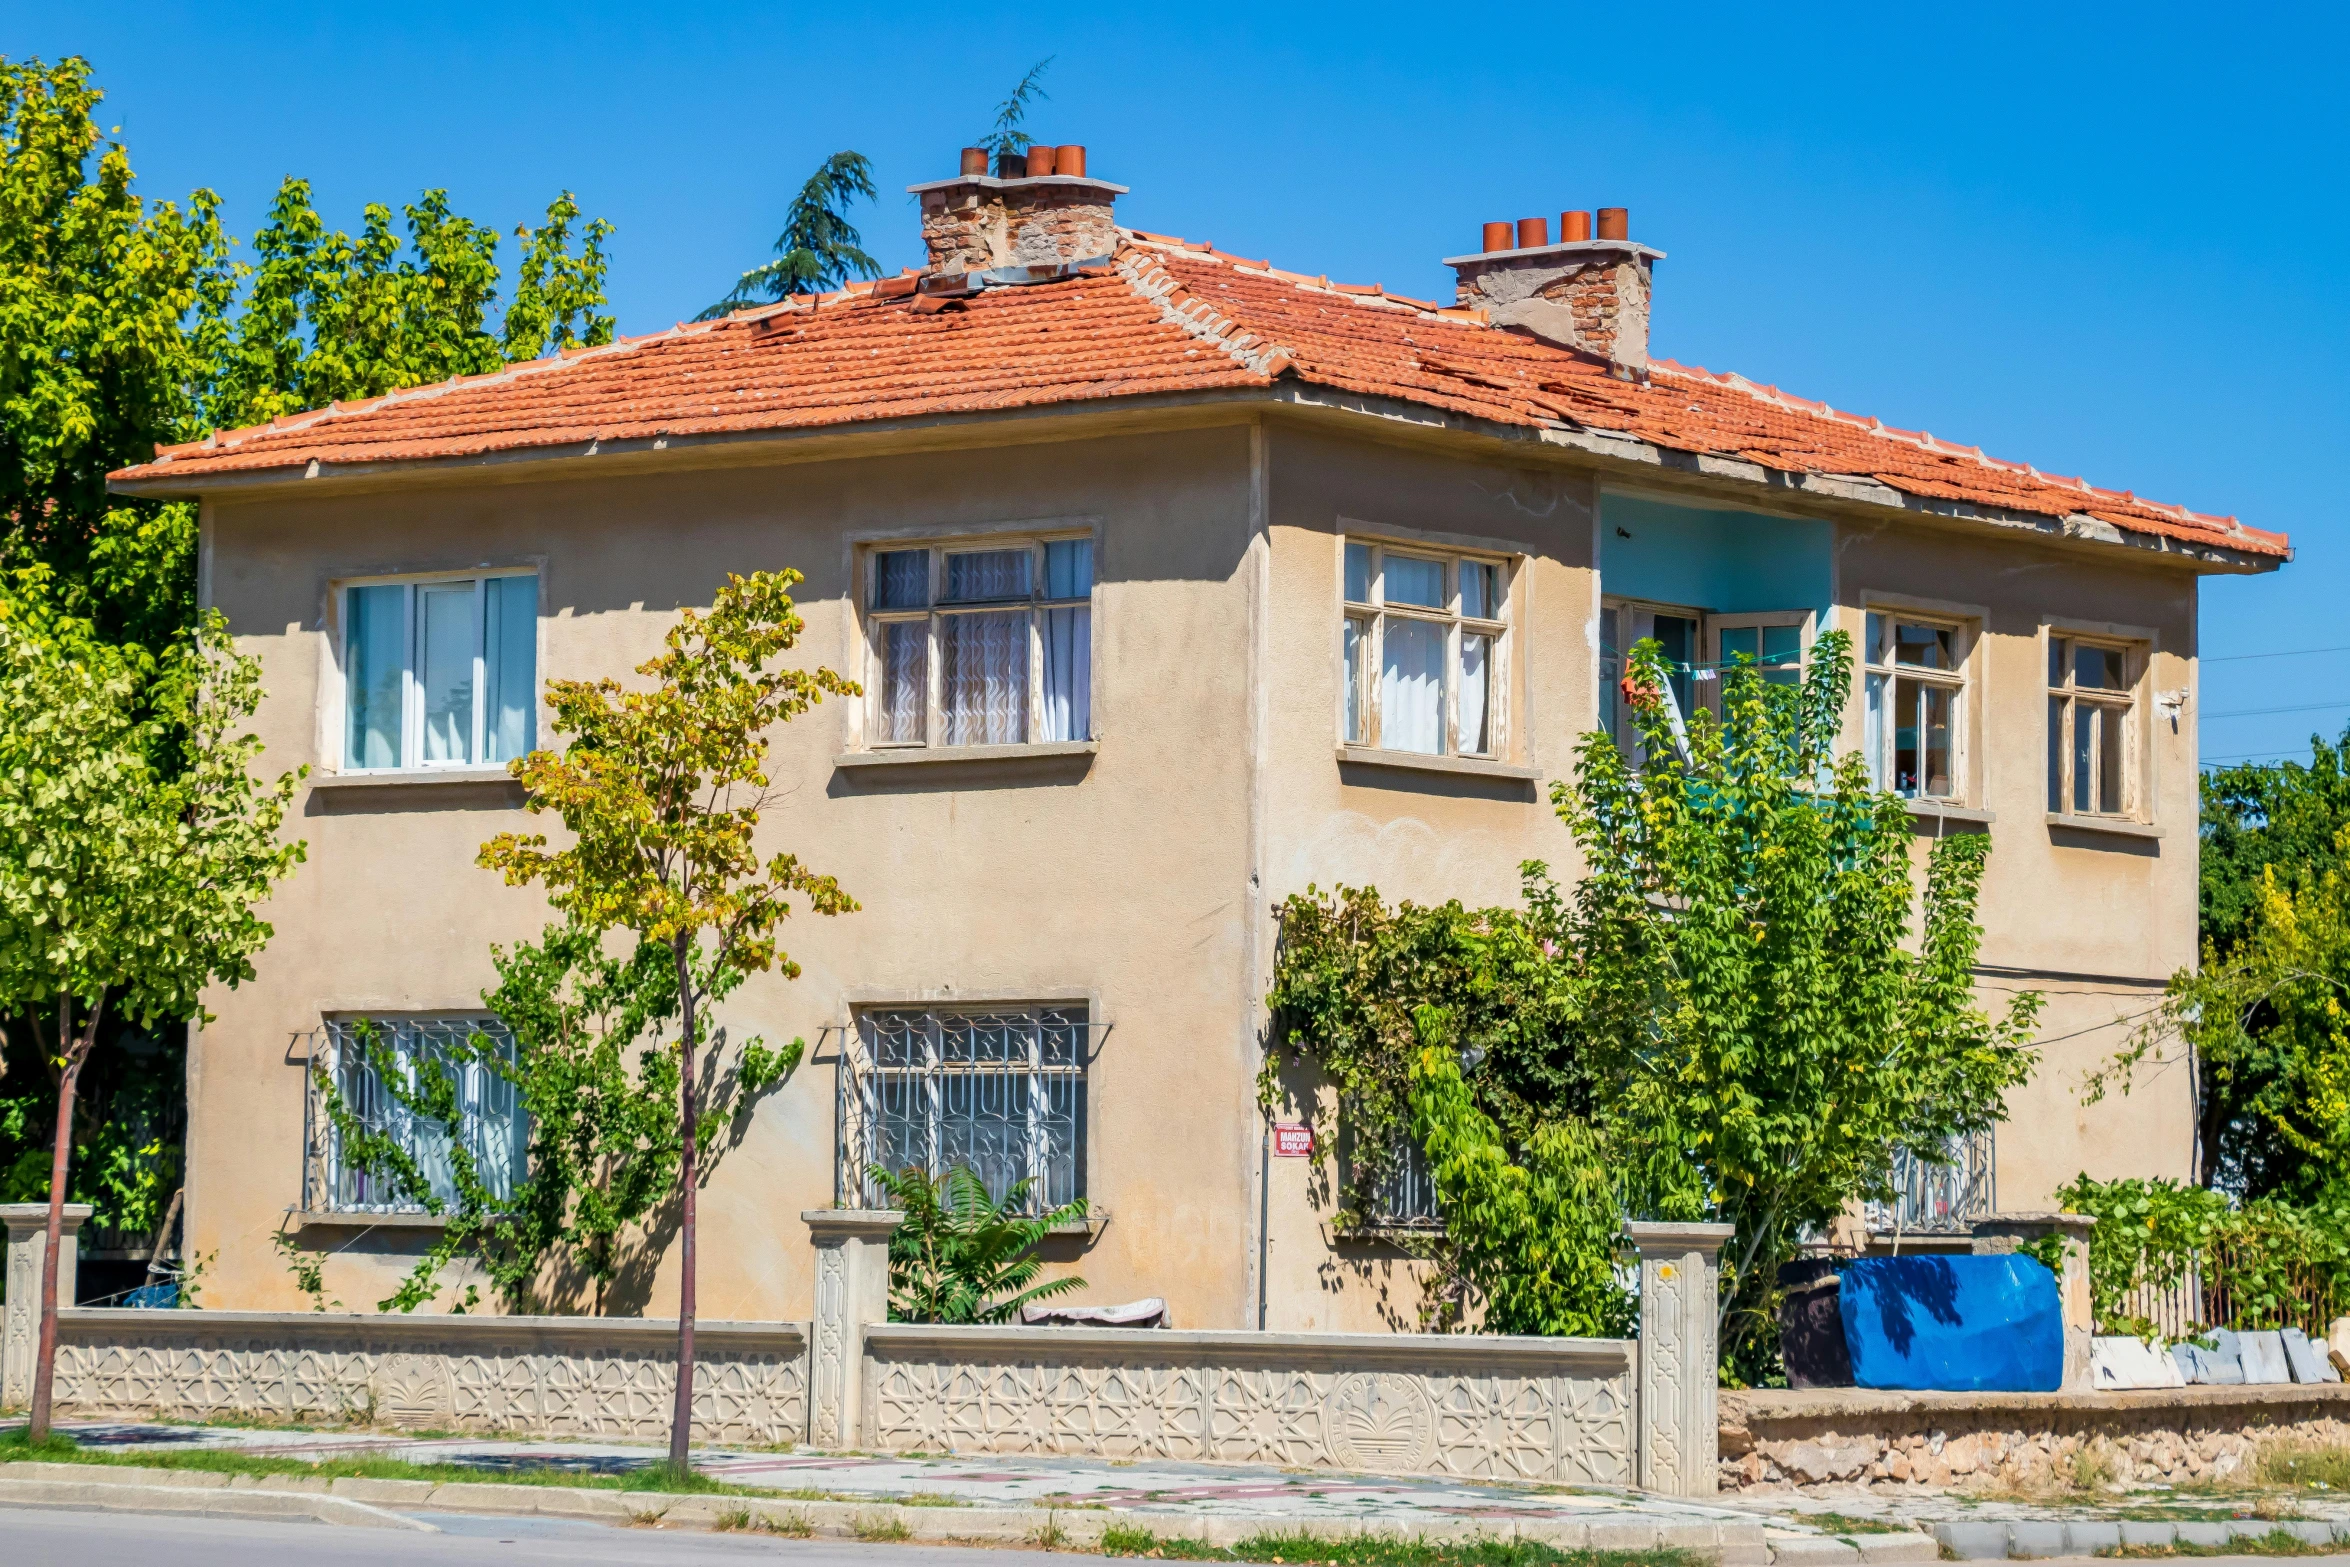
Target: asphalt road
56	1537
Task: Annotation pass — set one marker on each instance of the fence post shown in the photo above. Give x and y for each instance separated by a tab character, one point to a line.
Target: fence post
1679	1420
852	1290
20	1331
2011	1232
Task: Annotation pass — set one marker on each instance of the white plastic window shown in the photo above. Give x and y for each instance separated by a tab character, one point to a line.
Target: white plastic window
440	672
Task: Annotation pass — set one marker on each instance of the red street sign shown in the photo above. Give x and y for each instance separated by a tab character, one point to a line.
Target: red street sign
1293	1142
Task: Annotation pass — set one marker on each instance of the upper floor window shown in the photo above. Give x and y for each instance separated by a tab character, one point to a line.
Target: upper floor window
1425	637
1916	703
2092	727
999	1091
362	1061
980	644
440	672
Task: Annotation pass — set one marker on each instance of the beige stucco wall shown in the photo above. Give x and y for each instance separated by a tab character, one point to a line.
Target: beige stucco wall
1117	879
2094	921
1140	878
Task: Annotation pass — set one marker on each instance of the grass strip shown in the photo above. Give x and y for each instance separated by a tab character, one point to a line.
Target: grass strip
2277	1542
655	1477
1300	1548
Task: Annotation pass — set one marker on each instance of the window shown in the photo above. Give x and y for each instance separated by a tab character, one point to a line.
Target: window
1425	643
354	1055
999	1091
1405	1197
985	644
2092	728
1623	626
1915	706
440	673
1775	642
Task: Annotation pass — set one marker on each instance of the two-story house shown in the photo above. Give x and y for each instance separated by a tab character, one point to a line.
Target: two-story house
1175	581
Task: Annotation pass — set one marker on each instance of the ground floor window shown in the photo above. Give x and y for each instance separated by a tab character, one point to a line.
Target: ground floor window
998	1090
356	1063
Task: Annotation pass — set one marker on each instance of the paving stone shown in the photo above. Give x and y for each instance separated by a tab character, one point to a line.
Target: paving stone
1973	1541
1815	1550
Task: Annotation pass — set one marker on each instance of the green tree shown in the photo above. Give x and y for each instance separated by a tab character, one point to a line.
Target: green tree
961	1256
1009	137
661	791
125	885
2274	863
2264	1022
819	249
127	324
1533	1235
1728	1015
328	318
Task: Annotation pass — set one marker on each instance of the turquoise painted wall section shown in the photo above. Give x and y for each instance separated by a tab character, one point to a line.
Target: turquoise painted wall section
1729	562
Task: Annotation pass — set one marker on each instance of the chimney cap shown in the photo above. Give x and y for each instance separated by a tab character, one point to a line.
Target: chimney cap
1586	247
1025	182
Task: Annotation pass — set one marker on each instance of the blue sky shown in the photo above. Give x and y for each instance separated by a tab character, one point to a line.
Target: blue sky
2110	241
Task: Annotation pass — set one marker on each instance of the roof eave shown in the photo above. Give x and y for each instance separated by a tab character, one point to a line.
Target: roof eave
1613	453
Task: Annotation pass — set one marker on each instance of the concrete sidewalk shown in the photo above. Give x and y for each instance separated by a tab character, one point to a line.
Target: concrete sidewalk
1033	1501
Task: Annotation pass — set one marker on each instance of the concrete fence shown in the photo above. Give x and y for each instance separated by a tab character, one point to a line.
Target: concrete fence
1573	1411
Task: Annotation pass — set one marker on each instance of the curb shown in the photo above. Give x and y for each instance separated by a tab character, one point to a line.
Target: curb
382	1503
1997	1540
208	1502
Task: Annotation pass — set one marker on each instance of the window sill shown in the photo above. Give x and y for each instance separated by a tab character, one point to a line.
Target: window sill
1417	761
2104	824
414	778
338	1219
916	755
1933	810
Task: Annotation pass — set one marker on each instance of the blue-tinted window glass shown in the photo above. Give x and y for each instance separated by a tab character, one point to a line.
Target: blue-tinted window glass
375	647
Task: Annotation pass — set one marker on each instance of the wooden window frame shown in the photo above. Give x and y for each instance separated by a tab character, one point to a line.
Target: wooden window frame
935	611
1362	675
2065	700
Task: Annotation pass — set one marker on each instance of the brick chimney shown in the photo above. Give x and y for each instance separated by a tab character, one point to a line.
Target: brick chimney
1041	211
1586	295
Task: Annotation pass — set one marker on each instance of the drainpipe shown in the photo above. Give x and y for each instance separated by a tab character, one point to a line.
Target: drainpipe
1264	1212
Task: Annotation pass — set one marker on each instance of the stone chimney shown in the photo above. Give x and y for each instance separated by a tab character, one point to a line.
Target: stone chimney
1037	211
1586	295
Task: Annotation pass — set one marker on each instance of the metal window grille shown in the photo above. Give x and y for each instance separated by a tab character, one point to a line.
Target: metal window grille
1944	1195
1000	1092
492	1125
1405	1197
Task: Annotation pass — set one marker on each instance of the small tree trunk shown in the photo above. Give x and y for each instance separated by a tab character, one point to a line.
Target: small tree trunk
681	1422
77	1050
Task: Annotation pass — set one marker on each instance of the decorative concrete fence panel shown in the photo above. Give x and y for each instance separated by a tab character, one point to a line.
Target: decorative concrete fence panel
1475	1407
556	1376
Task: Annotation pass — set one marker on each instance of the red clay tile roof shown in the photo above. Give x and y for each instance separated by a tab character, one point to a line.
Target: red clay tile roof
1172	317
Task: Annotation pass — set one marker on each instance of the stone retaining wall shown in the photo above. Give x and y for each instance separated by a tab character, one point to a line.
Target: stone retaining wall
1782	1438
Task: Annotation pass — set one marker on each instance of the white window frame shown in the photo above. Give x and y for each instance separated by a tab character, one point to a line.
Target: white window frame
1804	621
1372	615
1877	663
412	690
937	611
2065	700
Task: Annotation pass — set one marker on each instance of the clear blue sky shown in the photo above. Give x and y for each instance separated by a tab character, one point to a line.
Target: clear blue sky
2113	242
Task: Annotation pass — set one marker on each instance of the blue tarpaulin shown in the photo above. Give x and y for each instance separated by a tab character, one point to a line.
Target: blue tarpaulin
1953	1324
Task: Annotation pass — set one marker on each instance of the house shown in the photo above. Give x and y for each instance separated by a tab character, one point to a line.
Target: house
1176	581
